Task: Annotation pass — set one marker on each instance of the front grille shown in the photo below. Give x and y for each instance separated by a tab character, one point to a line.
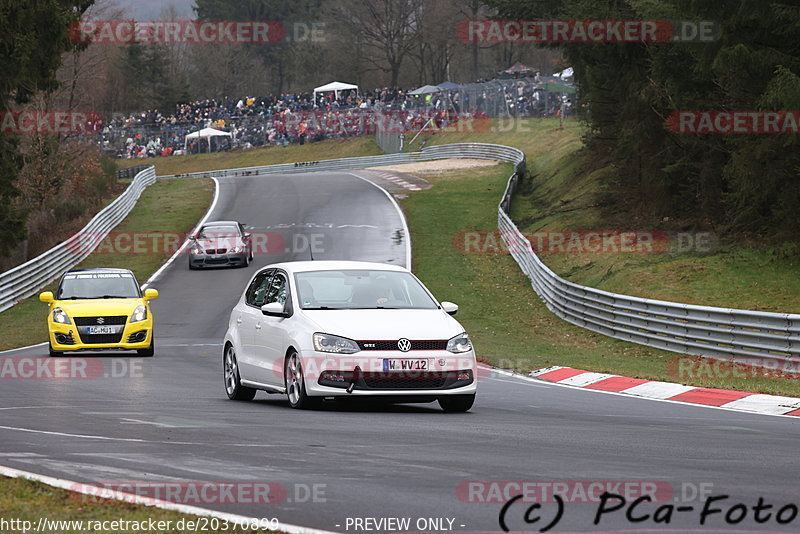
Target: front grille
216	251
429	380
423	344
106	320
96	339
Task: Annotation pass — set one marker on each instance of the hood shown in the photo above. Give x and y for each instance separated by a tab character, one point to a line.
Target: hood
219	242
361	325
95	307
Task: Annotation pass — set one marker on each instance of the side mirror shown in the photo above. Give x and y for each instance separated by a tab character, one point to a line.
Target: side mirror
450	308
150	294
46	296
274	309
247	235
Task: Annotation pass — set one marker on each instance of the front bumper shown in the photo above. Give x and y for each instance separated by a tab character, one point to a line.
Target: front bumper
218	260
366	375
69	337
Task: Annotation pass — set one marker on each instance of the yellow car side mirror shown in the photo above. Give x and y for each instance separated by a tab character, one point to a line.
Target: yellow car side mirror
46	296
150	294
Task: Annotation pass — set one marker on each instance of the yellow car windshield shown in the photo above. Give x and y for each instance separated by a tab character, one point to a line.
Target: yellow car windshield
98	286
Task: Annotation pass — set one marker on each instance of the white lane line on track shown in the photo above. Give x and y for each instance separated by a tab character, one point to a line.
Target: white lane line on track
128	440
211	208
87	489
32	407
400	211
23	348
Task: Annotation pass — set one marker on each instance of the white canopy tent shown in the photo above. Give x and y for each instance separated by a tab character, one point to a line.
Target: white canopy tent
335	87
206	133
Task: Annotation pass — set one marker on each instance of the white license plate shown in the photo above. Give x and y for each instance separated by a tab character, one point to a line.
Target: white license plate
405	365
101	330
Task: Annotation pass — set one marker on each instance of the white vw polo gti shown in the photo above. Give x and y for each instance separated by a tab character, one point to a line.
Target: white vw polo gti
317	329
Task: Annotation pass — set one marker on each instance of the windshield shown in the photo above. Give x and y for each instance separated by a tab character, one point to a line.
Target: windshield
351	289
98	286
219	231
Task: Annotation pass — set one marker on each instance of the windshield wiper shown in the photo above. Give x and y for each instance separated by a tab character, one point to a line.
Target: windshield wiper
114	297
322	308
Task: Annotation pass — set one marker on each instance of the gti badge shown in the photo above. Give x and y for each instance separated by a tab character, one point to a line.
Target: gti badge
403	344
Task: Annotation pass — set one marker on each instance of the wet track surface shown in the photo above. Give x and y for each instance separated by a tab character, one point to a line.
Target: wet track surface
167	419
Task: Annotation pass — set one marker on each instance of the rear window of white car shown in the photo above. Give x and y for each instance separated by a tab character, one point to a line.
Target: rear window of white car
361	289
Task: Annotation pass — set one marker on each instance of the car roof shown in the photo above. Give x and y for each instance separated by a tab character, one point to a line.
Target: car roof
221	223
328	265
100	270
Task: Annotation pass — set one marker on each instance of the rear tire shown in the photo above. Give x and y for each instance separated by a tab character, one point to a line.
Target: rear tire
230	374
149	351
54	353
457	403
296	386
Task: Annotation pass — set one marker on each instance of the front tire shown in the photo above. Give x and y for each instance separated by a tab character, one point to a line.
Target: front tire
230	373
457	403
295	384
54	353
149	351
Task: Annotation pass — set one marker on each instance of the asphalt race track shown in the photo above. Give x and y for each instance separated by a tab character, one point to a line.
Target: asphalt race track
167	419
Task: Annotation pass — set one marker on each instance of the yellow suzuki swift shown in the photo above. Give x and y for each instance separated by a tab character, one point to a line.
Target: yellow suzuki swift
96	309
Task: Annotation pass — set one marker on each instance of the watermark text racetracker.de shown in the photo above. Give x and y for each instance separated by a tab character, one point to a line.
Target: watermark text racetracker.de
74	368
195	32
200	493
261	243
585	241
50	122
734	122
586	31
741	367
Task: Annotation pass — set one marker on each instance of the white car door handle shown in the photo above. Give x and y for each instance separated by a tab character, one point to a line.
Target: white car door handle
258	326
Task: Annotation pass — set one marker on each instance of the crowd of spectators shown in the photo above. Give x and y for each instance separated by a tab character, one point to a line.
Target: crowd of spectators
300	118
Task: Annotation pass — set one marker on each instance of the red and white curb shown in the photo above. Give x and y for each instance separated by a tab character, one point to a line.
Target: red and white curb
650	389
398	181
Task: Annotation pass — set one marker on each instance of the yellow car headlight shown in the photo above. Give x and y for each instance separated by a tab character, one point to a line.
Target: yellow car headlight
60	316
139	314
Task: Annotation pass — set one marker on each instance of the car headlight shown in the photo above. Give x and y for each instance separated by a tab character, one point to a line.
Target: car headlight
139	314
197	250
60	316
339	345
460	343
236	250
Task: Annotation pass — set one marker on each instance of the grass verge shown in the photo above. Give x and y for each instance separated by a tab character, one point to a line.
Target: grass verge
510	326
173	205
563	197
23	500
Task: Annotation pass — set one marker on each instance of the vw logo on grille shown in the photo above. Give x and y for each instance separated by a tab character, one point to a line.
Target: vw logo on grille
403	344
100	320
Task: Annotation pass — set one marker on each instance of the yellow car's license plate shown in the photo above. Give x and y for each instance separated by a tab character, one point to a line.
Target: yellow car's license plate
101	330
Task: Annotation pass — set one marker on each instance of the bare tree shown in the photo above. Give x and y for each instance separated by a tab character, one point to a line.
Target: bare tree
387	30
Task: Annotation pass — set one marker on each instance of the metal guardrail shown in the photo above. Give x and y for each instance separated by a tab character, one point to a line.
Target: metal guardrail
24	280
686	328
